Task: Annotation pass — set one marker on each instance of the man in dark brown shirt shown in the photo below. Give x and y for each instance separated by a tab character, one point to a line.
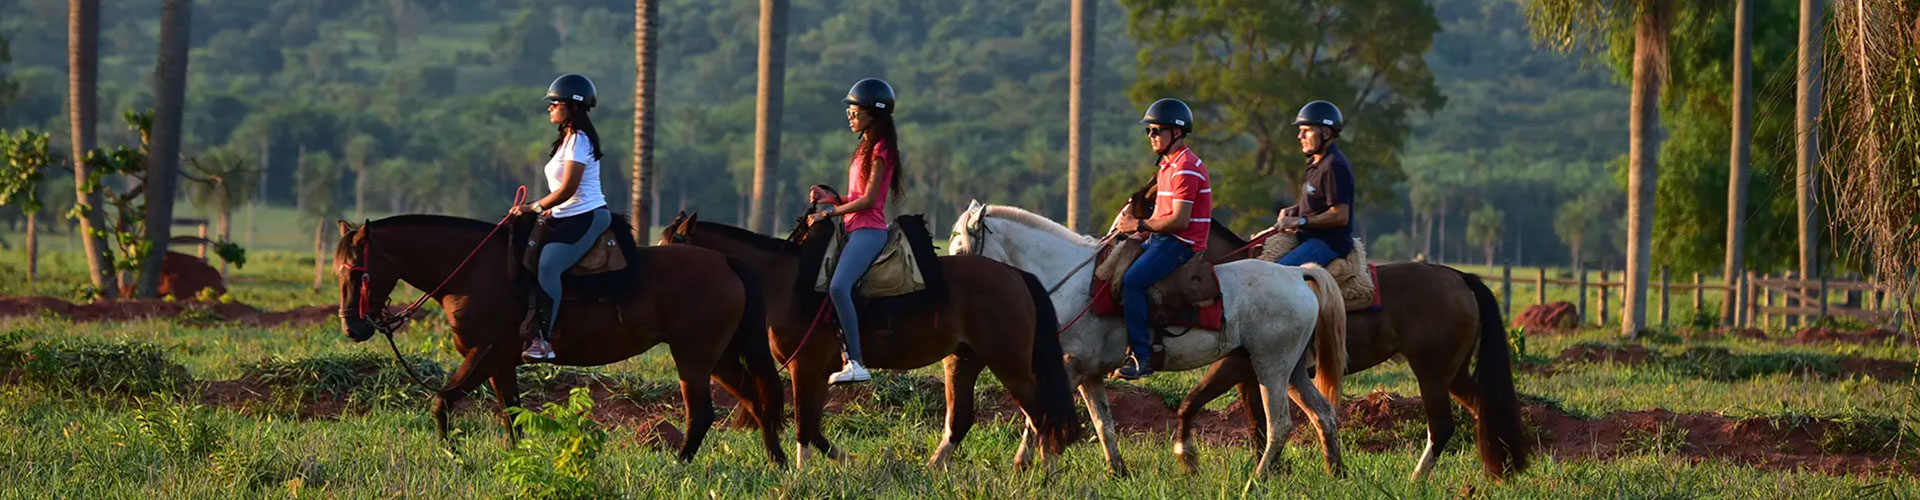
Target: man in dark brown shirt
1323	216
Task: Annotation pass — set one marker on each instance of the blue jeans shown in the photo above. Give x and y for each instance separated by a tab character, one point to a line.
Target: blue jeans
560	255
1161	256
1312	250
863	245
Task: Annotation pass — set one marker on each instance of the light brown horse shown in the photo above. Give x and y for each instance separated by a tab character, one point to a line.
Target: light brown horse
993	317
1433	316
706	307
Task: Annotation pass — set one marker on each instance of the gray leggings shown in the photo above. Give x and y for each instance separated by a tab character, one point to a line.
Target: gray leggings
560	255
863	245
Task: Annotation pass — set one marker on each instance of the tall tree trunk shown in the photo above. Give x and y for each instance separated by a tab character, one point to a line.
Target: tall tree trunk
1649	41
646	36
225	223
319	252
1079	149
360	191
1488	248
766	110
1441	249
1807	148
33	248
170	92
1742	145
83	69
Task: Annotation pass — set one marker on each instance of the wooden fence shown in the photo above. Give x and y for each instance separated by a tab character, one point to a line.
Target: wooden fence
1754	297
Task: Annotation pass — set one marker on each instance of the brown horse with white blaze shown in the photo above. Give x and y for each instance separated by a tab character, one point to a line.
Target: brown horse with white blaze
705	307
1436	318
993	317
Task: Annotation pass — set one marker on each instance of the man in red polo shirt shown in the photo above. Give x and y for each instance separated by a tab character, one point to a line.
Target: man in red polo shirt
1182	212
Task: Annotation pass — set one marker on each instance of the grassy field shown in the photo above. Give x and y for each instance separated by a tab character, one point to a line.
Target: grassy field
97	410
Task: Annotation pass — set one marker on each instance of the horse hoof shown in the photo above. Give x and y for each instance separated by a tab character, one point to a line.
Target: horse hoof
1189	464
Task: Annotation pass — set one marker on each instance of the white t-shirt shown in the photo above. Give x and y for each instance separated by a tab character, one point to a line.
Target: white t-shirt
588	197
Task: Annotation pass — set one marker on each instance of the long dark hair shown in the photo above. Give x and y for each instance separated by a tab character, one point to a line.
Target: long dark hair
577	120
881	129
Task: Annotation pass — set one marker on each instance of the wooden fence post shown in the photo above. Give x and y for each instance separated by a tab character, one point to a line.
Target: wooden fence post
1790	298
1540	285
1766	318
1580	292
1604	295
1698	292
1823	295
1743	303
1506	289
202	252
1665	287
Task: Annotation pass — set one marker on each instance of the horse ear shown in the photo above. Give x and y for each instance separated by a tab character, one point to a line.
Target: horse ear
346	228
693	217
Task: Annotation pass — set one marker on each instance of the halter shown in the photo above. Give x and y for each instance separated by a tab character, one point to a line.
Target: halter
387	324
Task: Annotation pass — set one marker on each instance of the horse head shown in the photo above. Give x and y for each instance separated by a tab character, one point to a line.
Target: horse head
363	288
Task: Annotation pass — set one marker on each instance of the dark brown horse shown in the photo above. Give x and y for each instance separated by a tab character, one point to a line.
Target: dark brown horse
705	307
993	316
1433	316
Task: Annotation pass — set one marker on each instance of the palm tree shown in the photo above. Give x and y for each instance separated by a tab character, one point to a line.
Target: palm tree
170	92
1567	23
1807	147
646	34
1742	144
766	109
218	181
1872	111
83	68
1078	148
360	151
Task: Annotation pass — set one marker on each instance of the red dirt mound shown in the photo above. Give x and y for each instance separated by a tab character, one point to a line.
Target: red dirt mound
1625	355
1874	336
135	309
184	276
1548	317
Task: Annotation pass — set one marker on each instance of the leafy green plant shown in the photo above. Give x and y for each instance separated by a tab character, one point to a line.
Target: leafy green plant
361	379
557	456
125	367
178	430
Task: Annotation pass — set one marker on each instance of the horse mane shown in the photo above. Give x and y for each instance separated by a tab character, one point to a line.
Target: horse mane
1036	221
757	240
436	220
1220	230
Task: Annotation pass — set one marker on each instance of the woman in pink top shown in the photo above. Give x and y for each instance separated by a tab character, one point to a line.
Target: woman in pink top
872	175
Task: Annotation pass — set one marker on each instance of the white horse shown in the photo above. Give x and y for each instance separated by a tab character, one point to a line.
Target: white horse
1271	311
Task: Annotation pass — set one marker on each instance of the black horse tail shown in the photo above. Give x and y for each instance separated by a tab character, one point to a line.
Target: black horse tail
1498	432
750	340
1055	417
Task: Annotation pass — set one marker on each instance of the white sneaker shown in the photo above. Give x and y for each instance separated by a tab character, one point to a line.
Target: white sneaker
852	372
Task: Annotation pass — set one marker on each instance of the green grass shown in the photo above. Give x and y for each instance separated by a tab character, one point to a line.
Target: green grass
111	444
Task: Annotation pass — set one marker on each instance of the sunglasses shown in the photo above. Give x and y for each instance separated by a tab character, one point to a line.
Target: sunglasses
1158	130
851	112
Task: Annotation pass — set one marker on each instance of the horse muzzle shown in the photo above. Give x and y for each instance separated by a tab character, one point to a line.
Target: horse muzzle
358	329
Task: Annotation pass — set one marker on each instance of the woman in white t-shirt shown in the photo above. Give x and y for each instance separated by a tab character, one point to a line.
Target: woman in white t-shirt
575	211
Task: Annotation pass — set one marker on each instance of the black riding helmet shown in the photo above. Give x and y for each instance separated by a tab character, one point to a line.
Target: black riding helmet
871	93
1321	113
572	88
1170	111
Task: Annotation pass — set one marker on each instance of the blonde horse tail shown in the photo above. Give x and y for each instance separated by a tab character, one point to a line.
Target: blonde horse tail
1329	333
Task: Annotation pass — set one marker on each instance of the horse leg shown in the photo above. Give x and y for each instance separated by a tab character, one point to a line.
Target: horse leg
1095	393
810	402
1273	384
1433	396
697	391
760	410
962	371
458	384
1016	374
733	378
1319	413
1223	374
506	389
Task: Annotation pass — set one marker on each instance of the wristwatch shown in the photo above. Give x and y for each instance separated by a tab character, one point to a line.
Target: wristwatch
1303	222
829	210
536	207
